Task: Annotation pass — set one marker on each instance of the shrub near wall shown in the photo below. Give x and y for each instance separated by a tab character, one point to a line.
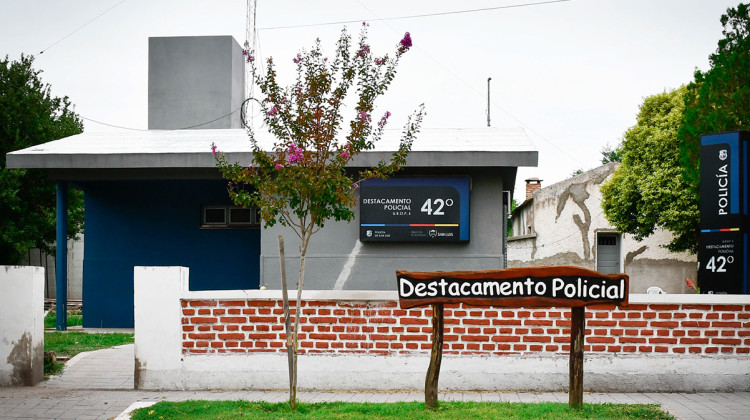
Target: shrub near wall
380	327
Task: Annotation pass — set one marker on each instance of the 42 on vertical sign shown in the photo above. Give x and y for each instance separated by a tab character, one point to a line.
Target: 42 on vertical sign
718	264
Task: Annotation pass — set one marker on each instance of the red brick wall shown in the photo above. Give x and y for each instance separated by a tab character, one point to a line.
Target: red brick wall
381	327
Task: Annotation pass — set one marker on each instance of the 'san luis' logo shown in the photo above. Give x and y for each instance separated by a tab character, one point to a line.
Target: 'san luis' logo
723	154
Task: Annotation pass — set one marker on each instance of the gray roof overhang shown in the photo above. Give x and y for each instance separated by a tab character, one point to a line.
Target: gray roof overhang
187	153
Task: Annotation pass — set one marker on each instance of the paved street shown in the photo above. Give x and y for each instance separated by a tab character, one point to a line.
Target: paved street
99	385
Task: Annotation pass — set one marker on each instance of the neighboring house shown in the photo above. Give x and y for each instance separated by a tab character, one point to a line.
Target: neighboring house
36	257
156	198
564	224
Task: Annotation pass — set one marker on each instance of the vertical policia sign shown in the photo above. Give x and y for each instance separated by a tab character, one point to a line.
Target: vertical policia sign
723	239
561	286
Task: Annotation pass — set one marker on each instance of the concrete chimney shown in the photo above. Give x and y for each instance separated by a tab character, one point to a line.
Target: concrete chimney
532	184
195	82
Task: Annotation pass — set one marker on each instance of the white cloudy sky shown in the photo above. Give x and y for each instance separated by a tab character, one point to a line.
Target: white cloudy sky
571	73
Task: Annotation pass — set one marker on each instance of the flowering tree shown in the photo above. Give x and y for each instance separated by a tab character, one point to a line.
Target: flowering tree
302	181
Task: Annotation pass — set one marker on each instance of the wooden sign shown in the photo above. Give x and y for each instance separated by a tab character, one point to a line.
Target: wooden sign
563	286
559	286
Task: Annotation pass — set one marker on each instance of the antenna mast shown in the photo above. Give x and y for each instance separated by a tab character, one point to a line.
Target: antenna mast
250	40
488	101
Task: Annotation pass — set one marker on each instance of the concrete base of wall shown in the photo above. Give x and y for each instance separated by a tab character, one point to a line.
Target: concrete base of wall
460	373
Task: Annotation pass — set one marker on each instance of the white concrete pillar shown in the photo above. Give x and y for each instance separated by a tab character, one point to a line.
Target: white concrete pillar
21	325
158	326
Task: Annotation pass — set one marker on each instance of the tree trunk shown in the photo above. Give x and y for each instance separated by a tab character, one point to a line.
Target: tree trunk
287	322
297	315
436	357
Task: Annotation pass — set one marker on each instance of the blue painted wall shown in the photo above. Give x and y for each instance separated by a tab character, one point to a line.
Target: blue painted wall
130	223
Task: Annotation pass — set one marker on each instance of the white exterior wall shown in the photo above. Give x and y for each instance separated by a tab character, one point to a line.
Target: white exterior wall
158	325
21	325
566	218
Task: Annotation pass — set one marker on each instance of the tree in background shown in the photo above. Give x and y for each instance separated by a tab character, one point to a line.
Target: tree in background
611	154
719	99
647	190
653	189
302	181
30	115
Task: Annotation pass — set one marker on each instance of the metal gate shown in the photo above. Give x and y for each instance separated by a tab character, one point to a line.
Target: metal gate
608	253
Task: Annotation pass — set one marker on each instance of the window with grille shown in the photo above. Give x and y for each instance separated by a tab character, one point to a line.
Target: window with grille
229	217
607	240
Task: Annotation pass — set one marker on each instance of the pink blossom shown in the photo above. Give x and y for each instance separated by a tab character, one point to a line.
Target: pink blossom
249	56
363	116
356	185
213	149
364	51
406	41
405	44
345	154
273	110
295	154
379	61
297	59
384	120
279	166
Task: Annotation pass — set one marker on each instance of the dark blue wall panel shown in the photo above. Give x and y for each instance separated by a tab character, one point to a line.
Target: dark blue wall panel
157	223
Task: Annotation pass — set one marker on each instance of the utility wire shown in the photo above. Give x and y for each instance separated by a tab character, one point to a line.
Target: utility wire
456	12
80	27
455	76
257	40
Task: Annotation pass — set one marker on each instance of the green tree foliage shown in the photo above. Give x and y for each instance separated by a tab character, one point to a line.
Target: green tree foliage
719	99
647	190
611	154
653	189
30	115
302	181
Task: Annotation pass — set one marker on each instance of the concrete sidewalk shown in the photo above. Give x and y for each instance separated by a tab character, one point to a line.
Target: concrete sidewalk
99	385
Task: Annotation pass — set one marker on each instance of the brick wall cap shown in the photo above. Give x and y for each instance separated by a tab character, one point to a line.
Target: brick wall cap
388	295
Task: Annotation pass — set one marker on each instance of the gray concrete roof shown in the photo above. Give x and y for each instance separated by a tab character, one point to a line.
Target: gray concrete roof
152	149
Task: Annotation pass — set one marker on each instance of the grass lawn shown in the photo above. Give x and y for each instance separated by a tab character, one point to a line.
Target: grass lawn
70	343
74	319
400	411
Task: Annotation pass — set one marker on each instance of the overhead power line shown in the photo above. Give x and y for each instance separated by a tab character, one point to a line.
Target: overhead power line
455	12
440	64
80	27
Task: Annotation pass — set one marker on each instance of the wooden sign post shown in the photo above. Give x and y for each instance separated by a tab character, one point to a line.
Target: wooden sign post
560	286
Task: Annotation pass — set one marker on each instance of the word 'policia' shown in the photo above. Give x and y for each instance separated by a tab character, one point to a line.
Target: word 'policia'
556	287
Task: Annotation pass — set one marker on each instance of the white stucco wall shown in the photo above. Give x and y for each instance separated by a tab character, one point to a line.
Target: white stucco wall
158	326
21	325
566	218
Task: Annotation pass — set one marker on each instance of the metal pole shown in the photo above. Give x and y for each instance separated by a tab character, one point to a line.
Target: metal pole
61	253
488	101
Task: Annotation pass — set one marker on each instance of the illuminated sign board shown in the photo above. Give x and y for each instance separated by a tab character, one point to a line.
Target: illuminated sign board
422	209
723	239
